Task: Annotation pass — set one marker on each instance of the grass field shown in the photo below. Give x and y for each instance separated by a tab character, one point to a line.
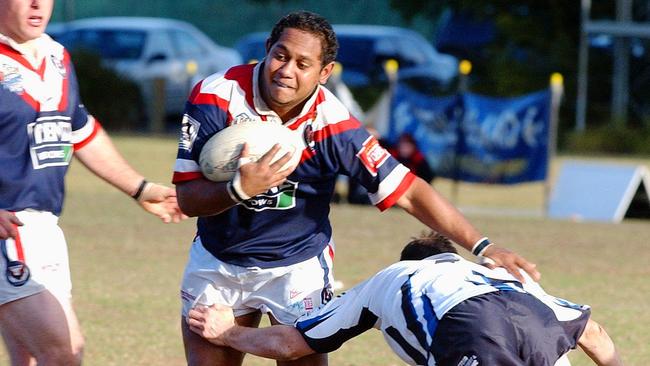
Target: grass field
127	266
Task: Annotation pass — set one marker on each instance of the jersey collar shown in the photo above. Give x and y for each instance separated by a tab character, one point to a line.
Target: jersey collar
262	109
27	49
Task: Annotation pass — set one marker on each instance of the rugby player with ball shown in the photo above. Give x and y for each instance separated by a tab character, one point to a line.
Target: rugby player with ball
264	240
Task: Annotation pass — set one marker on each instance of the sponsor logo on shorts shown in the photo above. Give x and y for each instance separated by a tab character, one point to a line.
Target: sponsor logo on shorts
282	197
189	131
327	294
17	273
50	140
372	155
186	296
308	302
469	361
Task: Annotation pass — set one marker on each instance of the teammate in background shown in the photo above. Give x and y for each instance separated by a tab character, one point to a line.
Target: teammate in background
264	242
43	122
434	308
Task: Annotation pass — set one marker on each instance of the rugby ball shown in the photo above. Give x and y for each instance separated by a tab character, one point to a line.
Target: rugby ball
220	156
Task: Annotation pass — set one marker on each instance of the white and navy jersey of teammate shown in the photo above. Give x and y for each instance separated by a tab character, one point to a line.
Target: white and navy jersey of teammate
445	310
288	224
42	121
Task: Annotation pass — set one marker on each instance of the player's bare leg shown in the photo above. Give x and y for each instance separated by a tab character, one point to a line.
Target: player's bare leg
200	352
40	327
316	359
598	345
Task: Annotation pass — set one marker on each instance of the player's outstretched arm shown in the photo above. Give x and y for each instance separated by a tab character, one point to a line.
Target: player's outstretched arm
599	346
431	208
102	158
217	324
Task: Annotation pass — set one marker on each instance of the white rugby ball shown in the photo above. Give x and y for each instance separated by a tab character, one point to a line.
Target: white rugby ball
219	158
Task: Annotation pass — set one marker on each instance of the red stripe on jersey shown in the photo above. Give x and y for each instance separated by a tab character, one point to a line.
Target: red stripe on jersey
243	75
196	97
185	176
336	128
18	57
96	128
331	251
307	154
397	193
311	114
63	103
31	101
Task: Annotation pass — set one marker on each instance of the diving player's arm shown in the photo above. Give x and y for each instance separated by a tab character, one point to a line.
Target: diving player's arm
201	197
597	344
427	205
217	325
102	158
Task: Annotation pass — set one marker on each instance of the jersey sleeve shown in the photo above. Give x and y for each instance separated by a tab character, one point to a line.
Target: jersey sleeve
360	156
205	114
341	319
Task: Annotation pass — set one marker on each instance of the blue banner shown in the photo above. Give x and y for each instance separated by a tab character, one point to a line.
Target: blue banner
474	138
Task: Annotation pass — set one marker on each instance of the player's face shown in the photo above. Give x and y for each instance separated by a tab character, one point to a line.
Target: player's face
292	70
24	20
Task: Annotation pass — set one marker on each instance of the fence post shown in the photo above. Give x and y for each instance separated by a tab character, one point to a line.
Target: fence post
557	90
157	106
464	69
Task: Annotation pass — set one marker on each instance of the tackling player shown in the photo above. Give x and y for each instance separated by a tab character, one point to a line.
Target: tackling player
440	310
42	125
264	242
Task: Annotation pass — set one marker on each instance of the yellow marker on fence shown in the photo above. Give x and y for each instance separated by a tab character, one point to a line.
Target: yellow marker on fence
465	67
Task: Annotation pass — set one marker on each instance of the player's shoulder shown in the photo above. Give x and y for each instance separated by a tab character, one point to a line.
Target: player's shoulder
50	46
331	108
224	83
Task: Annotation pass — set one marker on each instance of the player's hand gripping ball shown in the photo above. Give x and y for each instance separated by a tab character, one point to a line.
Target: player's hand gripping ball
220	156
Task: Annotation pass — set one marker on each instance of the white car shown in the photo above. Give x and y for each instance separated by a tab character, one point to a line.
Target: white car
145	49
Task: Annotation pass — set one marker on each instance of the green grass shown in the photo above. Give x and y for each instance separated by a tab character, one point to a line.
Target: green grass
127	266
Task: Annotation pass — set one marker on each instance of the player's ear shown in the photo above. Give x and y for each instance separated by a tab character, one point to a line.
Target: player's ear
326	72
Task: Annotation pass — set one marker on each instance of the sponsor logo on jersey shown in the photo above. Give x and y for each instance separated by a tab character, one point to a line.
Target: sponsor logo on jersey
11	79
58	64
308	136
189	131
243	117
372	155
50	141
282	197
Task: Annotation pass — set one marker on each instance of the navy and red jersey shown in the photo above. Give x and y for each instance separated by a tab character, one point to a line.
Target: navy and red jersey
42	121
288	224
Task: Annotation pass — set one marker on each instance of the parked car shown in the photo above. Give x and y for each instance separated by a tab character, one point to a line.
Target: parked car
145	49
363	49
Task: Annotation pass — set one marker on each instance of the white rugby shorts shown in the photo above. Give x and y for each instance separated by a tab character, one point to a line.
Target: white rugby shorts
285	292
36	260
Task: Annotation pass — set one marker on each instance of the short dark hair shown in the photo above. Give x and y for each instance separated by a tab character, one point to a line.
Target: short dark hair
427	245
309	22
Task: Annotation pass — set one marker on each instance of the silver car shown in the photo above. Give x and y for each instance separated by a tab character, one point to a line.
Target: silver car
146	49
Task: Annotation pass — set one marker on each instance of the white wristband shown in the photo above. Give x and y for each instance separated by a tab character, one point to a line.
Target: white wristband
237	188
480	246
